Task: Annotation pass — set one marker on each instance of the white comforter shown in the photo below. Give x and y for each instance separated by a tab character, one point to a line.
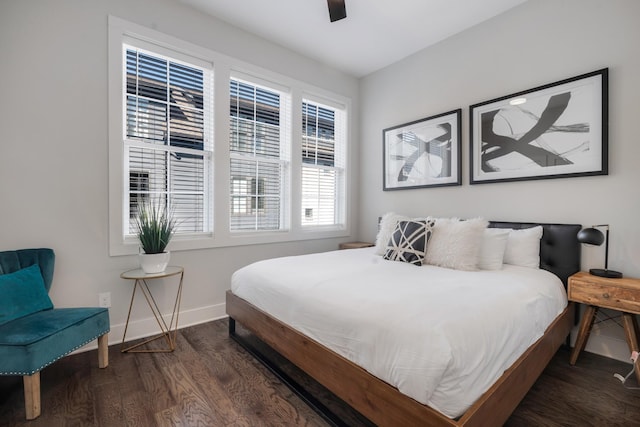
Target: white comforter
441	336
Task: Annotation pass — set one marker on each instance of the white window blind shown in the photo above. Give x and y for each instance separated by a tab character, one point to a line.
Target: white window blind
258	156
168	138
323	165
161	146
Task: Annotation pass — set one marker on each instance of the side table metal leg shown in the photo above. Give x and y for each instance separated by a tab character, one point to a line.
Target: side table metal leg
126	325
153	305
173	327
151	302
169	332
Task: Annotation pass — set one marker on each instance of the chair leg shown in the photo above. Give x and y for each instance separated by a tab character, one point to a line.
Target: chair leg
32	395
103	351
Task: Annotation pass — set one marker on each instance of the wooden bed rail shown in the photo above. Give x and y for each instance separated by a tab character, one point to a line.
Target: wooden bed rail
382	403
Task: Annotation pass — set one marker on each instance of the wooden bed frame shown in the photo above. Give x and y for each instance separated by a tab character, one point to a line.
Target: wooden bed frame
382	403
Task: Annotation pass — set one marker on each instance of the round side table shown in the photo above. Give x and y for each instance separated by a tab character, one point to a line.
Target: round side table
169	332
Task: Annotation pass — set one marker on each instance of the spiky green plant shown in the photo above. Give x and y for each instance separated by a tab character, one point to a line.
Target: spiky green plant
155	226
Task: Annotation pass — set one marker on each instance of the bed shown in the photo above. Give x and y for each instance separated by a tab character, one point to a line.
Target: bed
391	398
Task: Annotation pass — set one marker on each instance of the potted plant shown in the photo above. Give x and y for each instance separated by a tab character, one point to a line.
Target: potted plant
155	226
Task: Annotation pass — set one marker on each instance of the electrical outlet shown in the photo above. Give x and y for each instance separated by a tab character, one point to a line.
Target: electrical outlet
104	299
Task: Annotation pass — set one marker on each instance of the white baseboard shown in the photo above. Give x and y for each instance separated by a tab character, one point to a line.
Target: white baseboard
148	327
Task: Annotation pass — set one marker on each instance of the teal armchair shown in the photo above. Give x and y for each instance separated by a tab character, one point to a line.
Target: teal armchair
34	334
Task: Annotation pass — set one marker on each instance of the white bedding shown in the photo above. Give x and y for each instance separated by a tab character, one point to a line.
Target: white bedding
441	336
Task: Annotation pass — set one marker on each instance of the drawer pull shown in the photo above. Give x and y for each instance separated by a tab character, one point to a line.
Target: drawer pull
605	295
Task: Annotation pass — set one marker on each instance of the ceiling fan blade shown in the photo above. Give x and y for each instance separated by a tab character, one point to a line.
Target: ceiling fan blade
337	10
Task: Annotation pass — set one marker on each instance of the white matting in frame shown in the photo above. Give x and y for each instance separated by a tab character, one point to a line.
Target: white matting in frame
553	131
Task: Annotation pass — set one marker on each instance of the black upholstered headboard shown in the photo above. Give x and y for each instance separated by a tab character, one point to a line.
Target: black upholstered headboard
559	246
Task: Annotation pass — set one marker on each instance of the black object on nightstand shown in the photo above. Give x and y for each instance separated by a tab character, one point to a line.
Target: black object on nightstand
593	236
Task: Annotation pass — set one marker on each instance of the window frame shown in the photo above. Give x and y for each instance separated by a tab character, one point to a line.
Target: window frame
224	67
284	159
136	142
340	156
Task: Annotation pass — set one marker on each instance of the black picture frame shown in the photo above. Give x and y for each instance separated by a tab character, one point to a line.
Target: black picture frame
423	153
558	130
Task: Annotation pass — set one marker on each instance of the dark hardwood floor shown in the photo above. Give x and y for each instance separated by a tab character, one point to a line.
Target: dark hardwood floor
210	381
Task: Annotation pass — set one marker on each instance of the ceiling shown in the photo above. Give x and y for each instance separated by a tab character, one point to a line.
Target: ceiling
374	34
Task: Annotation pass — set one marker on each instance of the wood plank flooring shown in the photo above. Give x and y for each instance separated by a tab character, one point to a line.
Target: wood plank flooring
210	381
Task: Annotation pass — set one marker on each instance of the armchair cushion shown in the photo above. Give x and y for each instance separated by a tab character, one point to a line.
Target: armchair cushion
23	293
32	342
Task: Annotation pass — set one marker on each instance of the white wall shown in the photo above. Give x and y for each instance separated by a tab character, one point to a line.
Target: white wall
54	149
539	42
53	135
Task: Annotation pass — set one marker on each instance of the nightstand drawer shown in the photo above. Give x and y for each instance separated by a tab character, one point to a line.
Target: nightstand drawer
607	295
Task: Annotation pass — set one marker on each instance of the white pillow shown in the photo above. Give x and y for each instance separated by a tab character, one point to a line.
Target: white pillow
494	243
456	244
523	247
387	226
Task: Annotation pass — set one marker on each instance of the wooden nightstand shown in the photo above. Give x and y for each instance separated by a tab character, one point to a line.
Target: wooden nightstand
601	292
355	245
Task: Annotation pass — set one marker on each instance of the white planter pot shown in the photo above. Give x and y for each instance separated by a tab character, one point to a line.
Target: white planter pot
154	263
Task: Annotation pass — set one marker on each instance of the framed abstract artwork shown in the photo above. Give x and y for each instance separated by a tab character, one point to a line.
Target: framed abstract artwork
553	131
423	153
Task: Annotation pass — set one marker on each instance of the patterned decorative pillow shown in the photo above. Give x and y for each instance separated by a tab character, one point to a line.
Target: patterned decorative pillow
408	243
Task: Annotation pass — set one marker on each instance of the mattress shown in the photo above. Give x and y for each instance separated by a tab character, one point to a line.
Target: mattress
441	336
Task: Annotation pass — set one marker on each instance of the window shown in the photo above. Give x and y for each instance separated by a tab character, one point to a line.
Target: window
167	142
323	165
163	110
258	157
